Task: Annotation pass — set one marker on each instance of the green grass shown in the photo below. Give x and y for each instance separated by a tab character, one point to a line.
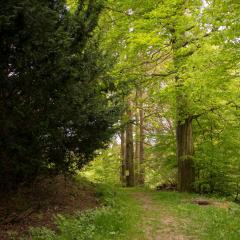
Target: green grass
121	216
114	221
203	222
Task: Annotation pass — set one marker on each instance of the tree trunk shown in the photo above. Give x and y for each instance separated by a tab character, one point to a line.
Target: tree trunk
129	154
123	163
184	135
186	173
141	141
137	139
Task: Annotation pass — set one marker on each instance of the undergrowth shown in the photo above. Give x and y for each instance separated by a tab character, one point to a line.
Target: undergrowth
115	220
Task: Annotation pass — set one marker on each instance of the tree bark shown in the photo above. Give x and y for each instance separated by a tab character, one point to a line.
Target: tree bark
123	163
184	138
184	135
141	140
129	151
137	140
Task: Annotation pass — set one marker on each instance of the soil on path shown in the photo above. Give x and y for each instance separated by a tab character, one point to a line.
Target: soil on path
158	224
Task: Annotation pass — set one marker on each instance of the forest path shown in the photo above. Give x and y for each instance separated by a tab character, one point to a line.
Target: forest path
158	223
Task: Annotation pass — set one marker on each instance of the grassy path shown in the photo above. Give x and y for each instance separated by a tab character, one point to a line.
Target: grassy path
174	216
157	222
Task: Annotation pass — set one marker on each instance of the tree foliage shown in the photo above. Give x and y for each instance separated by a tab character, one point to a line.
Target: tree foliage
54	101
185	55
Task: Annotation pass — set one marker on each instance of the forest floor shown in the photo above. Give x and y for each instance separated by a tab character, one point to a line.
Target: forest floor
37	205
178	216
59	212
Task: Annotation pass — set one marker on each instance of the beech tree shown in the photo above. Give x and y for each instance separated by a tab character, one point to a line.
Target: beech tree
184	54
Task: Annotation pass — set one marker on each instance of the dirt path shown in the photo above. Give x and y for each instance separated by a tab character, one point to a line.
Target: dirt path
157	223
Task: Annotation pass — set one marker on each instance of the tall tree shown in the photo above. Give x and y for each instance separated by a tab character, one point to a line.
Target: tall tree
53	101
141	139
129	151
122	158
185	54
137	137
